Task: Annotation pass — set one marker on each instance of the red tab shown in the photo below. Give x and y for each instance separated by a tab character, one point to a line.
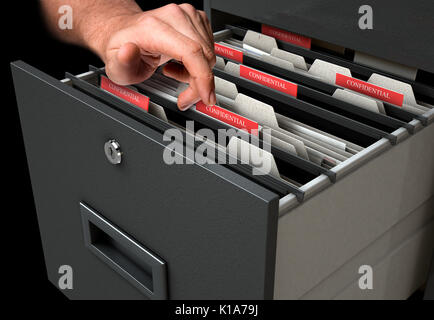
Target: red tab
287	36
228	53
125	93
269	80
369	89
228	117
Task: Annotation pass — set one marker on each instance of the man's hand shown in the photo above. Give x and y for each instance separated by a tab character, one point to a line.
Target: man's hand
133	43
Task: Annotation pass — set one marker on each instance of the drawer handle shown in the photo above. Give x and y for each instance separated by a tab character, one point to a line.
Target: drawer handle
131	260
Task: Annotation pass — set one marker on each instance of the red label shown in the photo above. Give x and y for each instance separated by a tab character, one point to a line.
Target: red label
269	80
125	93
369	89
287	36
228	53
228	117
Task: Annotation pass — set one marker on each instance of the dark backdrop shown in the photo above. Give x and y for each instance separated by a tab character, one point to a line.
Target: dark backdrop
25	38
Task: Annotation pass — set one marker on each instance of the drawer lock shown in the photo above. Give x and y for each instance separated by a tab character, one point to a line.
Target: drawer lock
112	150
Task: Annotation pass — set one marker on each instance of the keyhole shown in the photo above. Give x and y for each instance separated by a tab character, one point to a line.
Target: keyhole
113	152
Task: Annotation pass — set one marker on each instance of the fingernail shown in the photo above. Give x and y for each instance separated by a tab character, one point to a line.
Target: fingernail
185	107
212	98
188	105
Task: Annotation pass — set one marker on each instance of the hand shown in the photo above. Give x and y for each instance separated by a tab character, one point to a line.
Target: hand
143	41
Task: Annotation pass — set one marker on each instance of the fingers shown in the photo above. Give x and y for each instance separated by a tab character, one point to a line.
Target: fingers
206	39
187	98
176	71
207	26
125	65
186	20
166	40
154	37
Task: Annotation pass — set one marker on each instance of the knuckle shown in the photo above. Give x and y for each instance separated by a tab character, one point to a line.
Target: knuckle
203	15
188	8
171	6
174	8
197	16
148	21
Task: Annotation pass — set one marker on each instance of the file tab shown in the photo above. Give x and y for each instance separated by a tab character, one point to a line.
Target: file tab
297	61
369	89
327	71
220	63
225	88
287	36
281	63
261	160
232	68
356	99
228	52
269	80
255	109
260	41
125	93
229	117
394	85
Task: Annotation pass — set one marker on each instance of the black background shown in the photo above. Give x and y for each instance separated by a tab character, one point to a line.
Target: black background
26	38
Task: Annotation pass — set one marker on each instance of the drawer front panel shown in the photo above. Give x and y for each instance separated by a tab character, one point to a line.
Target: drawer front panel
214	229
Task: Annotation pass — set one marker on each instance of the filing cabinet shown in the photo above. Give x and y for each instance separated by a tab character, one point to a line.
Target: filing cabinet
133	227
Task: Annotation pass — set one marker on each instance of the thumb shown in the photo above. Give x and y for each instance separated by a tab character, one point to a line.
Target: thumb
125	65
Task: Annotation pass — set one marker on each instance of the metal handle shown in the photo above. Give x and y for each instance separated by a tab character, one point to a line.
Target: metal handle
143	269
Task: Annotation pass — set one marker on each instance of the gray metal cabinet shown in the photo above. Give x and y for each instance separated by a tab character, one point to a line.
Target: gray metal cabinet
142	229
380	210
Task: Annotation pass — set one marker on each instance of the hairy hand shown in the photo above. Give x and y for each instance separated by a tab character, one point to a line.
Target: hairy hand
149	39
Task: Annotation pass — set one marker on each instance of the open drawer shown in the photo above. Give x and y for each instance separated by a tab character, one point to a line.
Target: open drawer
180	212
213	229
